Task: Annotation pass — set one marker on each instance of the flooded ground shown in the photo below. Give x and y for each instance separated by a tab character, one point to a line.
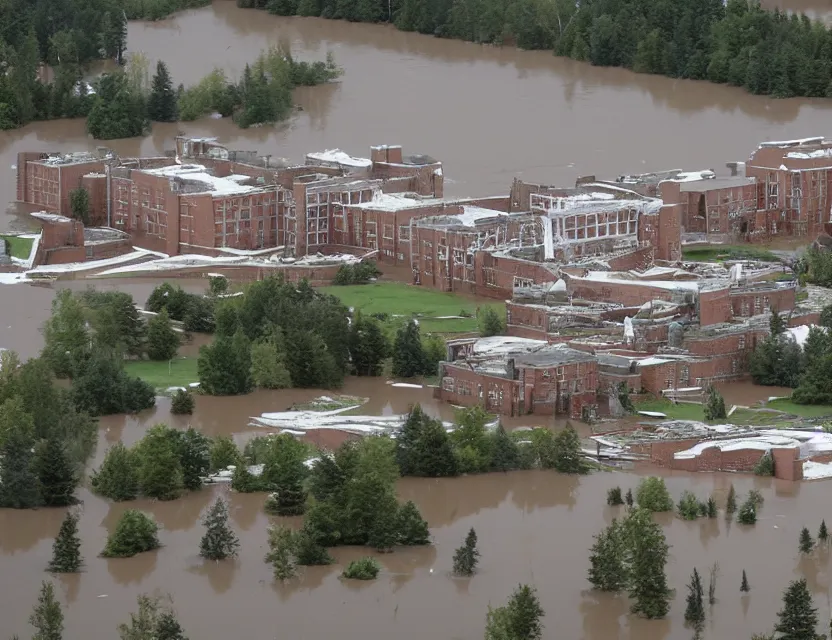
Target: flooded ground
488	113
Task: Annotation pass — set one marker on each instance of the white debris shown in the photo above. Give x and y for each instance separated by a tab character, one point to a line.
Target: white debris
801	333
818	153
338	158
225	475
817	470
652	414
407	385
304	421
760	443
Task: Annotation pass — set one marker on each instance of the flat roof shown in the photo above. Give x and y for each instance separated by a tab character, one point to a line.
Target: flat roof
198	173
710	184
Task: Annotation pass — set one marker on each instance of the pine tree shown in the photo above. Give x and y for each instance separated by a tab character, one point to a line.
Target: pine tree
135	533
711	509
159	466
695	610
281	546
161	106
806	542
168	627
467	556
47	617
568	457
385	530
628	498
162	340
648	553
308	552
426	448
614	497
18	481
519	619
823	534
505	454
243	481
219	541
744	584
413	529
117	478
182	403
284	472
408	353
715	405
798	619
652	494
57	478
748	512
731	503
66	550
368	346
607	561
79	204
194	456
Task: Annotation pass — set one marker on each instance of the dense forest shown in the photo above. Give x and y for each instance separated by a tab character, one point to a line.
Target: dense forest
45	48
767	52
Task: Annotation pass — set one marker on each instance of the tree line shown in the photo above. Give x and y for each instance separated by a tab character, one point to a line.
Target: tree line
779	360
737	42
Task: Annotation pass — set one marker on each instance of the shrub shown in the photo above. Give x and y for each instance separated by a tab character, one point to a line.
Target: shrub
748	512
490	323
135	532
765	467
652	495
614	497
182	402
362	569
688	506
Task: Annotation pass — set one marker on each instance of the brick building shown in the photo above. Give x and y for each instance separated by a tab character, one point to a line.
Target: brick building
514	376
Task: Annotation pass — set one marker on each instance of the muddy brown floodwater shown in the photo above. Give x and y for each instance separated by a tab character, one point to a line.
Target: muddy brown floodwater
490	114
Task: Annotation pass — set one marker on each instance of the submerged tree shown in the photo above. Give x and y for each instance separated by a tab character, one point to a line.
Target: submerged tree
731	502
712	583
608	570
135	533
519	619
66	550
47	617
744	584
806	542
652	495
748	512
797	620
614	497
628	498
648	555
823	534
711	507
219	541
117	478
466	557
280	554
695	609
567	454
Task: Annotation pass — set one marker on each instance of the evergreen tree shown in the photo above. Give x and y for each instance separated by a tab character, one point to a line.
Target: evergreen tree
408	353
505	455
168	627
162	340
731	502
268	366
712	510
744	584
473	444
368	346
66	550
281	546
57	478
66	340
806	542
243	481
224	453
568	457
79	204
798	619
194	456
467	556
614	497
284	472
607	561
135	533
688	506
652	494
225	366
823	534
19	487
413	529
100	386
117	478
748	512
628	498
519	619
219	541
308	552
117	112
715	405
648	554
385	530
695	610
765	467
182	403
425	449
161	106
489	322
47	617
159	465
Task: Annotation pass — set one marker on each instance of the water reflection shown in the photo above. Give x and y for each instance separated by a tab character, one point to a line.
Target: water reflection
601	614
126	571
220	573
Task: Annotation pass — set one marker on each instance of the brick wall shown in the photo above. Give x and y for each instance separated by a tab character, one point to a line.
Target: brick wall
749	302
714	306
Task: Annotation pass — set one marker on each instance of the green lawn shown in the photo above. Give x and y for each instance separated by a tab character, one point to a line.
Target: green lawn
718	253
681	411
19	247
802	410
182	372
402	302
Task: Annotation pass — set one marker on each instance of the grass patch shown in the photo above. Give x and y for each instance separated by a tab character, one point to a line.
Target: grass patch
681	411
802	410
19	247
181	373
402	302
720	253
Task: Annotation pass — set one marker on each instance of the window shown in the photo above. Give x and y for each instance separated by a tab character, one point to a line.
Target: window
735	366
442	252
522	282
448	384
404	232
489	276
387	230
459	256
741	343
684	375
